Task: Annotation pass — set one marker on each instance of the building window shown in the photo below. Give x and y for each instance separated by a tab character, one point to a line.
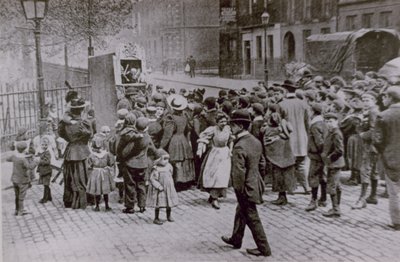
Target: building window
326	10
367	20
258	47
325	30
270	46
232	48
351	22
385	19
155	46
307	9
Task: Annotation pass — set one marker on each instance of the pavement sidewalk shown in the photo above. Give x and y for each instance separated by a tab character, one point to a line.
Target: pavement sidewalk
53	233
206	81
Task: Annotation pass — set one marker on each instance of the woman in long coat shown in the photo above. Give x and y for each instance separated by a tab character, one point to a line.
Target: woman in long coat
216	168
175	140
77	133
279	155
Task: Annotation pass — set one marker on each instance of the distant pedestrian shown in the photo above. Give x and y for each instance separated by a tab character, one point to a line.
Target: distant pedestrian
248	184
21	178
162	193
192	64
44	169
187	67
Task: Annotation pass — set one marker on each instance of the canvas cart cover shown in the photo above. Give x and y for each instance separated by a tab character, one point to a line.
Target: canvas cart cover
391	68
329	52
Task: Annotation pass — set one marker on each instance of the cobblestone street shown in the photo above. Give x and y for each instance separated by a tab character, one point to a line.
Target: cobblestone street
51	233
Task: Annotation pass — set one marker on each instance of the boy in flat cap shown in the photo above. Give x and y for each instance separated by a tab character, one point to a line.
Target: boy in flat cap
21	178
370	155
332	155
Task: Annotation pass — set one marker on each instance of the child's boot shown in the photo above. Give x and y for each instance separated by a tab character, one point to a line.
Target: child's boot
169	218
44	198
49	198
156	217
97	201
108	208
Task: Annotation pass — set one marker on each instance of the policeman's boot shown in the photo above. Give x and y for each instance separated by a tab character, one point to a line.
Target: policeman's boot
335	210
361	203
322	200
372	197
313	203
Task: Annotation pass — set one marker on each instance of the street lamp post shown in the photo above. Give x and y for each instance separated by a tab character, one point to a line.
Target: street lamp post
265	21
35	10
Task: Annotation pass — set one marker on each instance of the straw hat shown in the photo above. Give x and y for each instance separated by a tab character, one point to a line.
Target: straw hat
177	102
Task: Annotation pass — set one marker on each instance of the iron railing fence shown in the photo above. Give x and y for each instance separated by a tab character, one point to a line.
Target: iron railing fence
19	107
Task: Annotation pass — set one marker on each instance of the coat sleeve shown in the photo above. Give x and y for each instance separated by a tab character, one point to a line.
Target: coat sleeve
206	135
379	135
367	135
239	169
45	158
154	176
338	148
30	163
318	133
169	129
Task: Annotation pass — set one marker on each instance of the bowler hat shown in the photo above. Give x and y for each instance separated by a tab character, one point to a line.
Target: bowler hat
331	115
210	102
78	103
239	116
290	86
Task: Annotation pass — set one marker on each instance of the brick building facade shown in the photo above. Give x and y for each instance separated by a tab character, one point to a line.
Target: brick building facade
357	14
282	41
175	29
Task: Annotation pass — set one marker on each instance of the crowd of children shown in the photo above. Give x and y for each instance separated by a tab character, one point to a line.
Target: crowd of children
158	142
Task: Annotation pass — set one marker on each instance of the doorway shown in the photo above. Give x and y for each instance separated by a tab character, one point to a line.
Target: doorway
247	58
289	45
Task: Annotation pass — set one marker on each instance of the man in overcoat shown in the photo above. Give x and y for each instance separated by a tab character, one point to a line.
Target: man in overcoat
387	141
247	160
296	111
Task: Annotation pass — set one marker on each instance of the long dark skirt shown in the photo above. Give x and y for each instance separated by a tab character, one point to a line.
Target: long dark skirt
283	179
75	181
